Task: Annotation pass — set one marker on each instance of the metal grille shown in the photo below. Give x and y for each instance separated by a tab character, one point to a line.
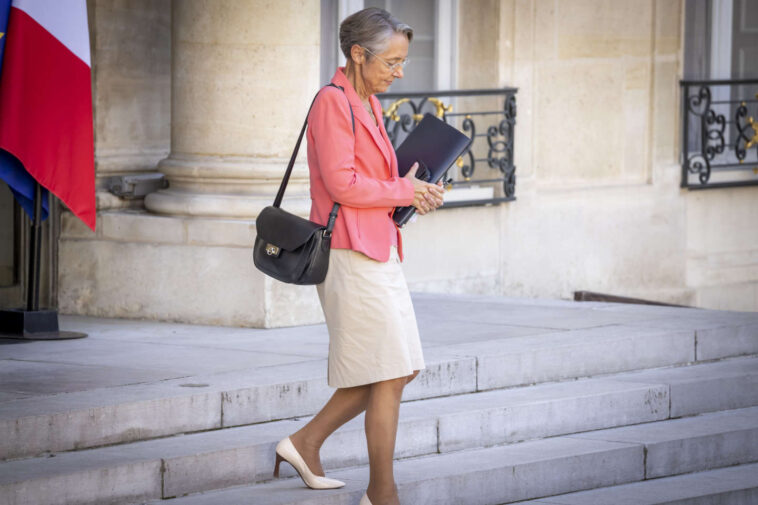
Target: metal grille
485	173
720	133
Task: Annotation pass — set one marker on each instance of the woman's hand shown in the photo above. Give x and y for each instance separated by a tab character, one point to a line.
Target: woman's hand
426	197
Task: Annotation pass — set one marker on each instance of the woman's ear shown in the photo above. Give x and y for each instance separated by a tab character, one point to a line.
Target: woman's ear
357	54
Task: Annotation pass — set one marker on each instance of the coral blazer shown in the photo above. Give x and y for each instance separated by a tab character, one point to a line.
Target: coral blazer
357	171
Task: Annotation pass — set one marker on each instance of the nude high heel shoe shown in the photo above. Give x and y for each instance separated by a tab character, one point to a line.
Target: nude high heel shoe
365	500
285	451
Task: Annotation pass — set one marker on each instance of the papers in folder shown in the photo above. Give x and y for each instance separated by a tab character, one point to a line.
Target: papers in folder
435	145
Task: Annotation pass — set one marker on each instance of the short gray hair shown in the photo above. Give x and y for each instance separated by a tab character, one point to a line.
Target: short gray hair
370	28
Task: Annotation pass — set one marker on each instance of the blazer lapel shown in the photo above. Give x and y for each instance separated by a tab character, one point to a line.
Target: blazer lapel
361	114
373	127
394	172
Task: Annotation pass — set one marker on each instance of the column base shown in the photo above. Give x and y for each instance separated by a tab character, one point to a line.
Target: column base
183	203
191	270
227	187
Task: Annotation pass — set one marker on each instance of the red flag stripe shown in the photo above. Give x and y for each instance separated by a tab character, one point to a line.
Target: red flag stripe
46	113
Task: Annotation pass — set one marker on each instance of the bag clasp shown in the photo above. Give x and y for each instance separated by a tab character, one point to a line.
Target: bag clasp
272	250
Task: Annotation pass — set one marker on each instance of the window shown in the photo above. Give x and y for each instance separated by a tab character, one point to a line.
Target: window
431	53
719	93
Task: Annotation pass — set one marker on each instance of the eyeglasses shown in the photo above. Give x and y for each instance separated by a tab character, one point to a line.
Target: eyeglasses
392	66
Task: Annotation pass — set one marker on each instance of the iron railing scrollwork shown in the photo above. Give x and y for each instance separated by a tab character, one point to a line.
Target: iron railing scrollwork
487	168
719	133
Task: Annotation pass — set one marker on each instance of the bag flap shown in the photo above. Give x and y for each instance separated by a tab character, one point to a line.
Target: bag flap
284	230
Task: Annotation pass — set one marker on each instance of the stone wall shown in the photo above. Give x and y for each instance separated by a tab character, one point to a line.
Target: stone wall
598	200
722	248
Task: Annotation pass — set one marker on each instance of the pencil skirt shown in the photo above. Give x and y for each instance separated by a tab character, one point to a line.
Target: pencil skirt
373	335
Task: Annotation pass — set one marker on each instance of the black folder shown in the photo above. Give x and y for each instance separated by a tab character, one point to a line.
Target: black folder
435	145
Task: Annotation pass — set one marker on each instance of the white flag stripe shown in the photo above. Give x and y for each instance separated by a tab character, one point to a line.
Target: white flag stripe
66	20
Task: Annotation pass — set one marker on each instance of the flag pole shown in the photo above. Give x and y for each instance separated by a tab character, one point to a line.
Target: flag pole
33	323
35	239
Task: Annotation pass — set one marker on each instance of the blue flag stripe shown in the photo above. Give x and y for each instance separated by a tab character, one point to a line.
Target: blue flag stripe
5	8
21	183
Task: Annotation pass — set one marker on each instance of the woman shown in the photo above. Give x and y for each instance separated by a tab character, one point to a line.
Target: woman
374	346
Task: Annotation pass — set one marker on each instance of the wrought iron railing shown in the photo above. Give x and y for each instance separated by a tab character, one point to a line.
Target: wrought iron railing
485	173
719	133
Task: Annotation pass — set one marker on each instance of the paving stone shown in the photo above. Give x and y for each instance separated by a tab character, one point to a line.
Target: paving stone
493	310
66	377
171	360
437	331
737	485
691	444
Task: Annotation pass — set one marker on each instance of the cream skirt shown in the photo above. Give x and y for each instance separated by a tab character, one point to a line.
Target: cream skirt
373	334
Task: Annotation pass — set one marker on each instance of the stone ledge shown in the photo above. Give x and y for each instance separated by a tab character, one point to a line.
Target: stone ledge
139	226
200	284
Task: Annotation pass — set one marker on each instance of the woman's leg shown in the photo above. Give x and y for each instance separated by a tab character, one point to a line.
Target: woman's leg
345	404
412	376
382	413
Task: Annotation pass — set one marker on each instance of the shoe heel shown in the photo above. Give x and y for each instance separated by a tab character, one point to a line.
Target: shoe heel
285	451
279	459
365	500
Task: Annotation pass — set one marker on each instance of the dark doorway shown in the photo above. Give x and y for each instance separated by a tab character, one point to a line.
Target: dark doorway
14	252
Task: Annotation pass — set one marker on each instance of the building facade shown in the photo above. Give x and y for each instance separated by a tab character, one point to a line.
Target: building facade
212	94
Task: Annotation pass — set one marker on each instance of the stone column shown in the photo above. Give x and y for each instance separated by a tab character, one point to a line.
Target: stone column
131	56
243	75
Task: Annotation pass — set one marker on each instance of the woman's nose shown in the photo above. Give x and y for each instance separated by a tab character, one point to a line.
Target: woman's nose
398	72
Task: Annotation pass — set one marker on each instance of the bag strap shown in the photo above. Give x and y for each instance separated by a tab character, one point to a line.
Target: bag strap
286	178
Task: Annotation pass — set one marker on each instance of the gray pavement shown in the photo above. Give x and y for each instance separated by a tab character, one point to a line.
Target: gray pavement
543	393
121	352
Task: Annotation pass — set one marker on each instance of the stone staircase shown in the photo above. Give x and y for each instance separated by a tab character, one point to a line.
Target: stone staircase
522	402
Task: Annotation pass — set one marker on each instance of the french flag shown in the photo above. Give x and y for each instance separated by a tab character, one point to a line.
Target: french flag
46	132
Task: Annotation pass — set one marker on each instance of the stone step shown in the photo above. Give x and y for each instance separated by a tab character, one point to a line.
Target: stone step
737	485
522	471
570	354
691	444
184	464
488	476
60	422
710	387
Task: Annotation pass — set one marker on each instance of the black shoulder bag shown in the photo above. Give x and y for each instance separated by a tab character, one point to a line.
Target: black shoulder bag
287	247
